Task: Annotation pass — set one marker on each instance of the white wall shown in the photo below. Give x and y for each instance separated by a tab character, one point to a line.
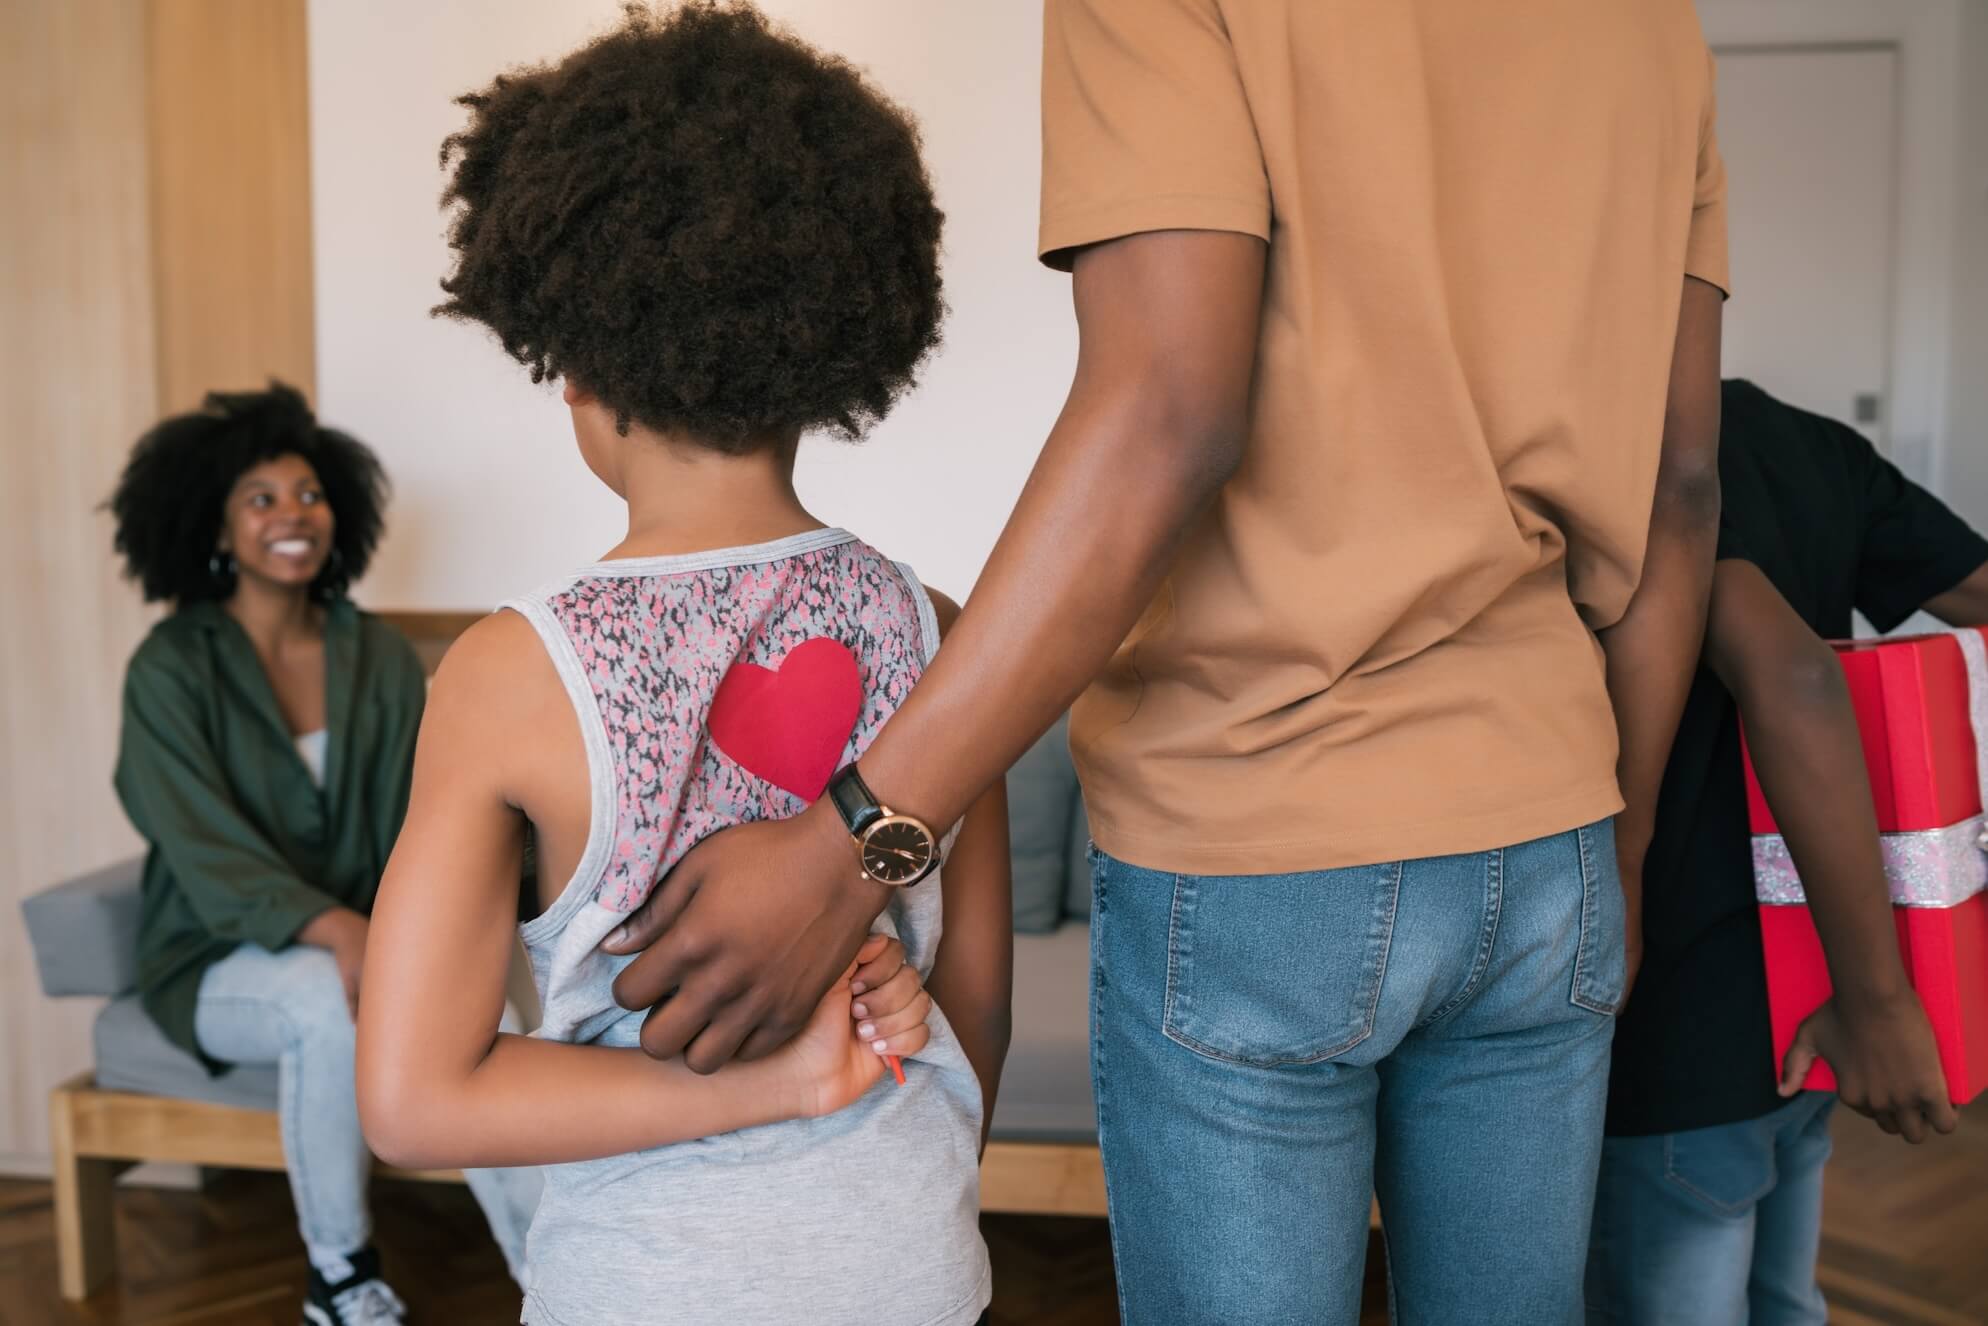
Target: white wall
492	497
1967	411
1933	69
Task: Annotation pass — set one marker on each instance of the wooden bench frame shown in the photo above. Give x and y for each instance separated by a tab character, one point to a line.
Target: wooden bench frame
95	1134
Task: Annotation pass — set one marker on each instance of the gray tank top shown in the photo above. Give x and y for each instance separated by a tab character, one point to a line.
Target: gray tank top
715	689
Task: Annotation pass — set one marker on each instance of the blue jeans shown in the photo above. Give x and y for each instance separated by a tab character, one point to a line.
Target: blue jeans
288	1009
1271	1051
1715	1226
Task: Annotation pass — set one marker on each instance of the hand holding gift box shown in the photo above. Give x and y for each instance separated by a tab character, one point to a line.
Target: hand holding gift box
1922	712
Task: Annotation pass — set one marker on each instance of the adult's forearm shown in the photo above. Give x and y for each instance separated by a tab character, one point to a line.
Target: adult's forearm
1652	655
331	927
507	1109
1153	428
236	901
1653	652
1081	557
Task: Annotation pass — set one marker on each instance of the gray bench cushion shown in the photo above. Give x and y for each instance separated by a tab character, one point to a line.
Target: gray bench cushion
85	932
84	935
134	1055
1042	798
1046	1086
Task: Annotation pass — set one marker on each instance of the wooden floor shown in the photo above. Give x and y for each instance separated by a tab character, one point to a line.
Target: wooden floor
1905	1228
1905	1244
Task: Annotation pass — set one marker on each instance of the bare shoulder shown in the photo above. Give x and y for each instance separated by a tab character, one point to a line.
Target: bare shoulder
496	673
501	725
944	609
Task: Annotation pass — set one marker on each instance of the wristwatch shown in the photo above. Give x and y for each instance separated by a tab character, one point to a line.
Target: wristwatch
898	850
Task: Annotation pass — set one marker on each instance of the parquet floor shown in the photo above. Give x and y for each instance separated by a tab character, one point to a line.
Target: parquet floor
1905	1229
1905	1244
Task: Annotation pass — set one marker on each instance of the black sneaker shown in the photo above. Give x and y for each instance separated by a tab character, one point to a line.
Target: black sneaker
362	1298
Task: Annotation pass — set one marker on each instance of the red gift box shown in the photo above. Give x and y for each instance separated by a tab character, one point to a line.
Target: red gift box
1920	702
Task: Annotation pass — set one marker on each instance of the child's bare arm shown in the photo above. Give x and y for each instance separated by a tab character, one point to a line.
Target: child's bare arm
1966	604
438	1086
1802	733
973	975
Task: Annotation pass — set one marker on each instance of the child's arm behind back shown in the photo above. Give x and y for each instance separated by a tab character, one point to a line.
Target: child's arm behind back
1802	734
439	1087
1966	604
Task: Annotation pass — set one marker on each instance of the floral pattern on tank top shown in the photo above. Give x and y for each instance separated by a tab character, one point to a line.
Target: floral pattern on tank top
654	648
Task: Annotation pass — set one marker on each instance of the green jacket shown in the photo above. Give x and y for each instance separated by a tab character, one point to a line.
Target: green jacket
245	848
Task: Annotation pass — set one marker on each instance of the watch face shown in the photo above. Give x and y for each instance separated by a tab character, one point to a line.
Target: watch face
897	851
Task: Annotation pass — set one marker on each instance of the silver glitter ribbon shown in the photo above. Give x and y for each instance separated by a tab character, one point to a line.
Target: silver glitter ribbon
1975	653
1924	867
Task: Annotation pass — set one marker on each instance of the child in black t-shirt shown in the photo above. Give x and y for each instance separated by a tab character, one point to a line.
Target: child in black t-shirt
1709	1206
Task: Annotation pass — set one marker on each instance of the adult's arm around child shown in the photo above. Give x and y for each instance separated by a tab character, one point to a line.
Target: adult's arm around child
1154	426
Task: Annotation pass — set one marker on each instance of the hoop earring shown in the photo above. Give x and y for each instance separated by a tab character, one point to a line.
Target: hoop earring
221	570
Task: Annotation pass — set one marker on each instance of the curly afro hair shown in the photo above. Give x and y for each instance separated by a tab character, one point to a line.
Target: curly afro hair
712	227
170	500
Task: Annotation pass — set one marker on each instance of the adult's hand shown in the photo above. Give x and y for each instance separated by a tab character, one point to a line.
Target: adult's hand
739	967
343	932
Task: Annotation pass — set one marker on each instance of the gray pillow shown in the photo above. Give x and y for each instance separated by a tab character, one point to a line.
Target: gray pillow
1042	793
85	932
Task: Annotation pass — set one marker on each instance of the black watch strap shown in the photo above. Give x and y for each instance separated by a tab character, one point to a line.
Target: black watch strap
854	801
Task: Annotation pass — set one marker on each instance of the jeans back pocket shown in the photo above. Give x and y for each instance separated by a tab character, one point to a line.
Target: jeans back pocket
1727	1169
1601	966
1273	970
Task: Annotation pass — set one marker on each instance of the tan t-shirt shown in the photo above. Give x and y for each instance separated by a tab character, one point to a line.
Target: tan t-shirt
1379	645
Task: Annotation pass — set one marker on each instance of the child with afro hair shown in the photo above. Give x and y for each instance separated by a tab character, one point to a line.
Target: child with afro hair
718	239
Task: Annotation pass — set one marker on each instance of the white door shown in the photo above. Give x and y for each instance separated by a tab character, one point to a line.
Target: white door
1810	139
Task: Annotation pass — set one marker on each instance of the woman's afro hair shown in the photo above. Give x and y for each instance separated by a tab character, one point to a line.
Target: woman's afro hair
170	501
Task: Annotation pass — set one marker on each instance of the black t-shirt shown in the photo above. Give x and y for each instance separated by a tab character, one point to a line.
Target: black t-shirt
1834	527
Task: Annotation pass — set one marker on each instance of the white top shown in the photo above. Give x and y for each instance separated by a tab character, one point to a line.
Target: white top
312	746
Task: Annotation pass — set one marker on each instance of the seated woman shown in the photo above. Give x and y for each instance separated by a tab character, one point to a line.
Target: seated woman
266	752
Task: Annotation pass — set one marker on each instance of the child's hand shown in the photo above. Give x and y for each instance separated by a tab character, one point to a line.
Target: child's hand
1886	1062
833	1067
890	1004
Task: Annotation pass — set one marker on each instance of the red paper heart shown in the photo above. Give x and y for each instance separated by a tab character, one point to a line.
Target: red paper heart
790	726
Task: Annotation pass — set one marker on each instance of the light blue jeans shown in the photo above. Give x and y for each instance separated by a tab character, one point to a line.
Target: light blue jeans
1271	1051
1714	1226
288	1009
